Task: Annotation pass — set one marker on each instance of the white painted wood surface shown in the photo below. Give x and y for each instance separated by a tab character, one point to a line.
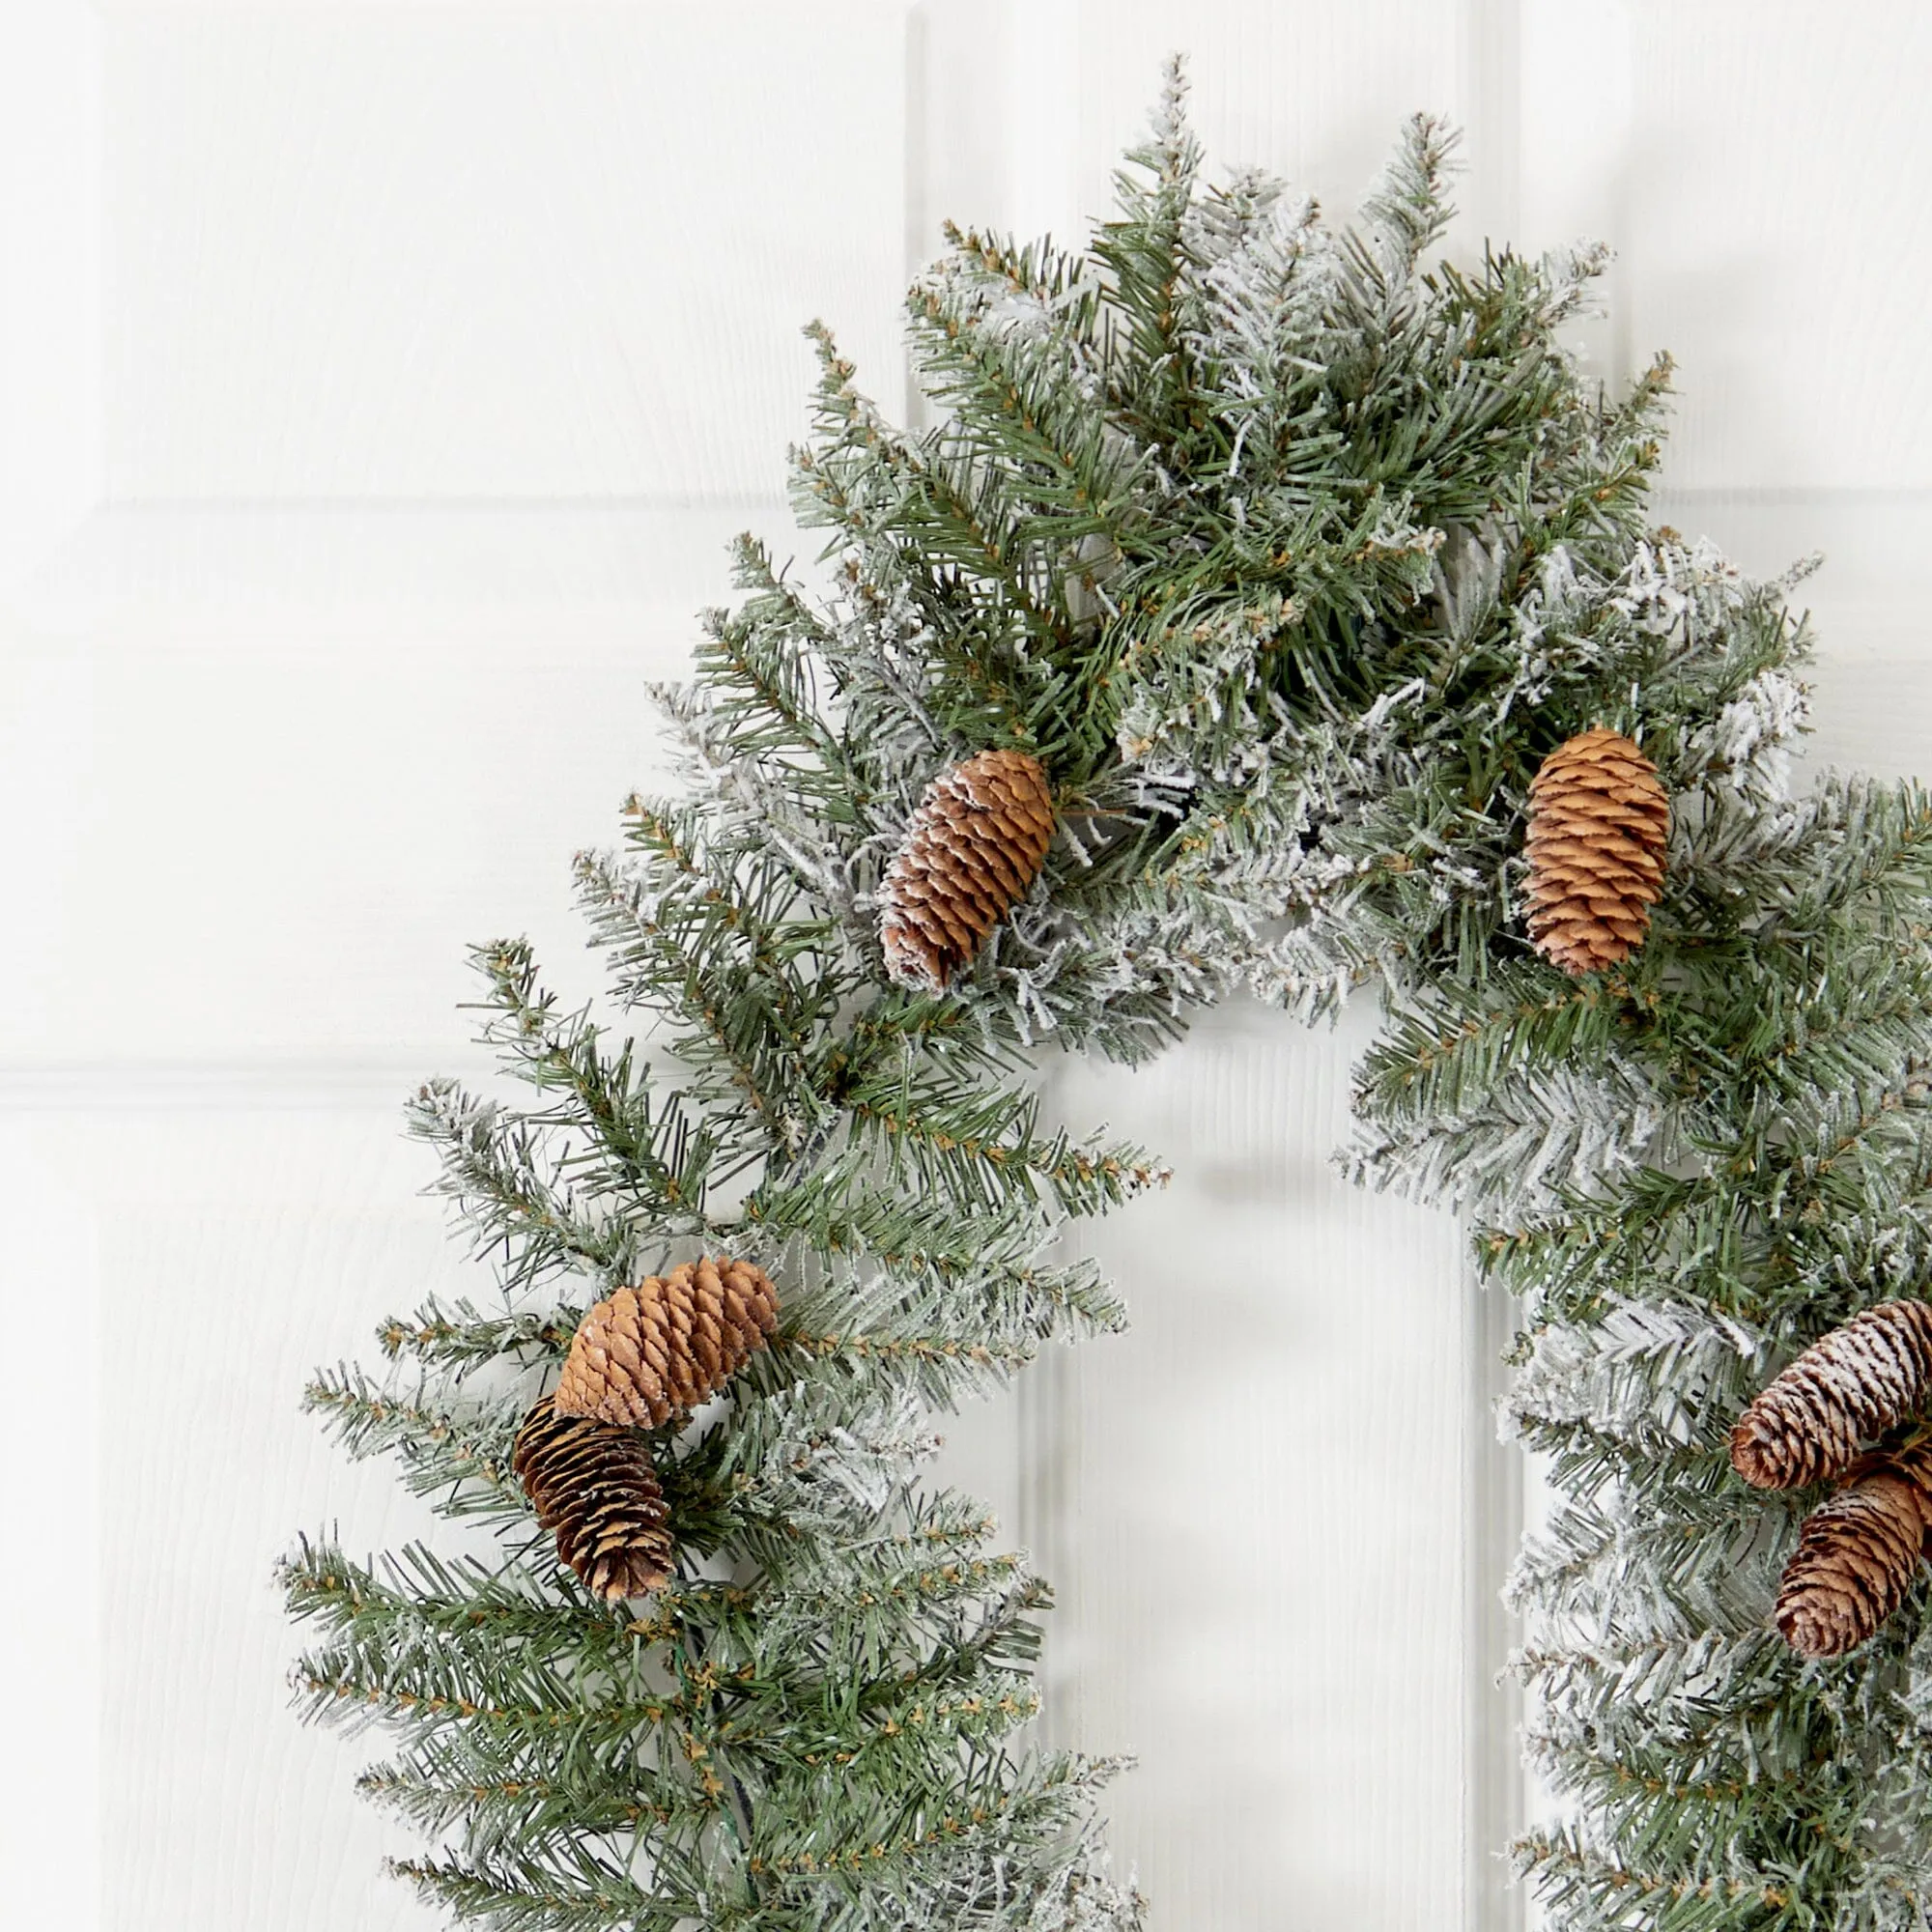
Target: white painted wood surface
372	413
1261	1532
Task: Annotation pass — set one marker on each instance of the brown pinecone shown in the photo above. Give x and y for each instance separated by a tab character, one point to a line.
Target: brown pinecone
1846	1388
973	848
1599	821
645	1352
1856	1558
594	1485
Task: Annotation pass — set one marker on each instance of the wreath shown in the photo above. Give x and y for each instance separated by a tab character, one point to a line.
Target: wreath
1266	610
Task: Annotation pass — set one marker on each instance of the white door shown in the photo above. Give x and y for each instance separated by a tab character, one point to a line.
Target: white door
379	384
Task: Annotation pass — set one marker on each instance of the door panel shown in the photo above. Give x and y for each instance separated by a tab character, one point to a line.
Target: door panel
383	385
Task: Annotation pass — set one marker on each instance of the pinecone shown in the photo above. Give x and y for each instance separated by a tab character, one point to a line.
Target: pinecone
1856	1558
1599	820
1846	1388
973	848
645	1352
595	1487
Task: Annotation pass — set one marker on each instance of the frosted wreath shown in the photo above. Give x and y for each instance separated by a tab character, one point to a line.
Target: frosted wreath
1285	559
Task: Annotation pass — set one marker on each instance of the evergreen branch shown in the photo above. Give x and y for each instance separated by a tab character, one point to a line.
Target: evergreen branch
984	1262
981	1148
521	1895
461	1338
458	1453
514	1192
427	1602
436	1789
922	1349
949	526
1733	1807
1435	1061
653	1154
1568	1876
339	1686
757	662
1145	252
742	1024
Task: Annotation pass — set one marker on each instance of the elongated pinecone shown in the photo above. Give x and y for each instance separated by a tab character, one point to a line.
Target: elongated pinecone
594	1485
973	848
1846	1388
1857	1555
1599	821
671	1343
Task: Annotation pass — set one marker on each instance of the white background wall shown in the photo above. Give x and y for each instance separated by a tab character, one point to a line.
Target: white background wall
377	385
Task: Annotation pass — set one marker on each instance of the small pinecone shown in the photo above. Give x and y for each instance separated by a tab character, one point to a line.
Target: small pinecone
1599	821
594	1485
973	848
1856	1558
671	1343
1846	1388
